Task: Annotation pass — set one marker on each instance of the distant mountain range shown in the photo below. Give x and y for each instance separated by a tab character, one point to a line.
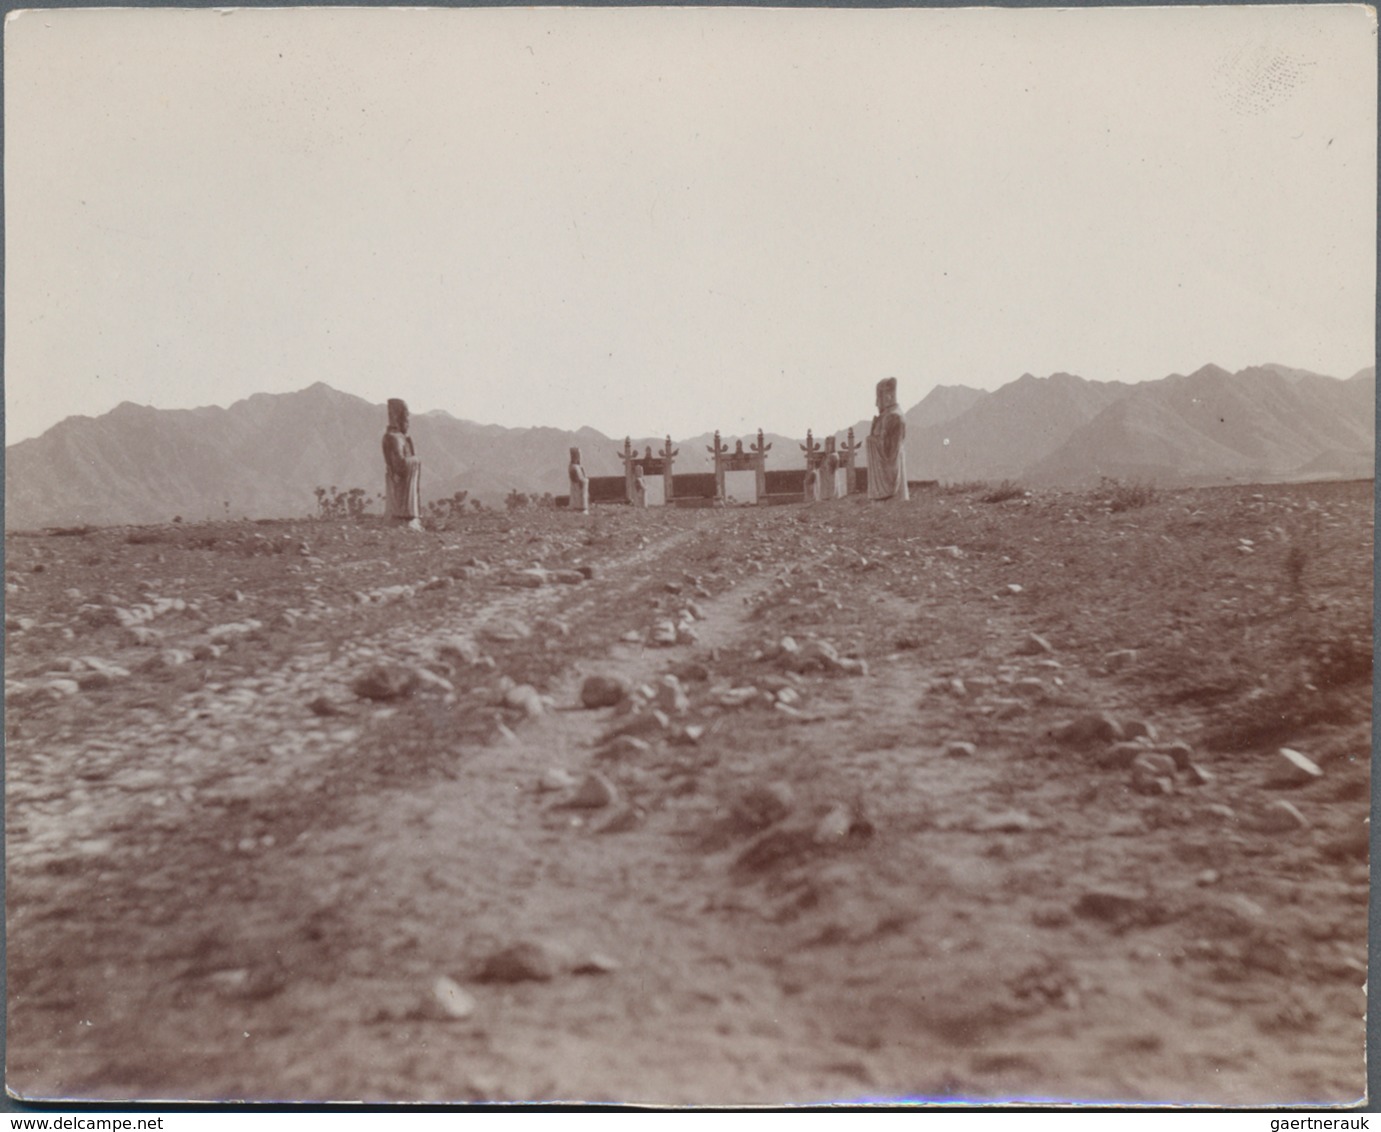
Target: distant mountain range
264	457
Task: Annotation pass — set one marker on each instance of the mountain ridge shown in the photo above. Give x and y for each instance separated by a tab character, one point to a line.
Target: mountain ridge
264	455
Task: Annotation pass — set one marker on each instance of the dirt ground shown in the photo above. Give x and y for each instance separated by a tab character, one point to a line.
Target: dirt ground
969	799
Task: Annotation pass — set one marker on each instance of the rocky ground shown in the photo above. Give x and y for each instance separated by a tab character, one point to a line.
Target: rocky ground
972	798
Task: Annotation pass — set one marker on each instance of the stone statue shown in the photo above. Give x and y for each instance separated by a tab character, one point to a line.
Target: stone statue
639	486
402	469
886	447
829	474
810	491
580	484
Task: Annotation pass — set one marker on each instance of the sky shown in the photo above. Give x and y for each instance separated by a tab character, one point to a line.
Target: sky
665	221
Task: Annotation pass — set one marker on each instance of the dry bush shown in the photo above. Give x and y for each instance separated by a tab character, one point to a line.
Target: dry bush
1117	496
1004	491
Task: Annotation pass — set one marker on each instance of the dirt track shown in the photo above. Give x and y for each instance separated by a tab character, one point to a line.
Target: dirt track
802	891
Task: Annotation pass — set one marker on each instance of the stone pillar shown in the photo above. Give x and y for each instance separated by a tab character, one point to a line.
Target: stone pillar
668	454
760	450
812	450
629	458
718	452
849	450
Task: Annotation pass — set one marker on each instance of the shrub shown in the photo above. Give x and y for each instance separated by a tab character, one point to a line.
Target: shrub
1004	491
451	508
1119	496
335	504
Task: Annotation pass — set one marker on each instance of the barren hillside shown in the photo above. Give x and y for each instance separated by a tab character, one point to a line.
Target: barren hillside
973	798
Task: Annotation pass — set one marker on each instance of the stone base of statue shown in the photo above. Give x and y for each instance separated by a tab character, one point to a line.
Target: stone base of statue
741	487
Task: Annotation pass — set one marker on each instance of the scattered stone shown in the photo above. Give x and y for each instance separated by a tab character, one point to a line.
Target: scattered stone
451	999
762	805
1291	769
518	963
1196	775
566	577
603	691
1108	904
834	826
525	698
626	746
1119	756
1152	785
1281	817
556	779
628	817
1009	821
652	722
1207	877
1138	729
1155	764
1013	588
693	672
632	637
385	682
594	793
1034	645
528	579
207	652
462	649
167	658
1227	813
234	629
506	631
1119	659
324	706
144	636
960	750
1030	687
958	688
596	963
777	844
248	984
91	681
671	698
427	680
1182	753
1087	730
737	697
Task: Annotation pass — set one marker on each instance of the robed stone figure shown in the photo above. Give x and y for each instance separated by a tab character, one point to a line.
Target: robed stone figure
402	469
580	483
886	447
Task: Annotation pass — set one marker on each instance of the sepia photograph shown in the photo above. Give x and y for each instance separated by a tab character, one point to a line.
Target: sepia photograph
689	557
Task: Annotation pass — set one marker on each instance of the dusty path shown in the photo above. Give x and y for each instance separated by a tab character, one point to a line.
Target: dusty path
800	892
